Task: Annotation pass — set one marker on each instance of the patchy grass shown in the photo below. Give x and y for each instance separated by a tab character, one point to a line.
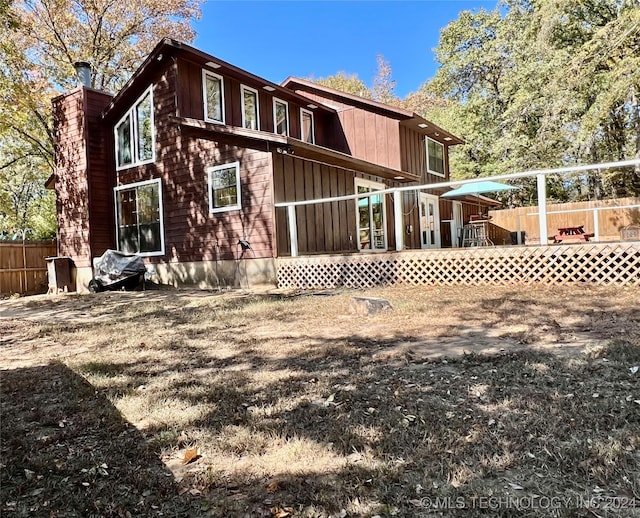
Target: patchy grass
461	402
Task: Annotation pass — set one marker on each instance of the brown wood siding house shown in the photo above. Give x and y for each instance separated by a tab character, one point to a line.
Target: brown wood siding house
185	165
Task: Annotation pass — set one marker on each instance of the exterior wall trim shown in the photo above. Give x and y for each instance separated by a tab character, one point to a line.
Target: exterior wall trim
161	212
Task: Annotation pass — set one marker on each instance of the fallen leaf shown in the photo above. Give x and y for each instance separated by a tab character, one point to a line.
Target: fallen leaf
195	492
281	512
330	399
634	369
273	486
191	455
515	486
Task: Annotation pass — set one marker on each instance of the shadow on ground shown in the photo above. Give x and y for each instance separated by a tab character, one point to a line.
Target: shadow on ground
67	451
328	416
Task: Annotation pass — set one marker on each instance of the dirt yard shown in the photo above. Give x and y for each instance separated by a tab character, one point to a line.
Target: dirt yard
460	401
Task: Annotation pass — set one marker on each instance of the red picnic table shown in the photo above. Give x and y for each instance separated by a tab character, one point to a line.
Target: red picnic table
571	234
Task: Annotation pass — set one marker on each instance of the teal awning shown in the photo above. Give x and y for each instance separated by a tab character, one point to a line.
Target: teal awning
478	188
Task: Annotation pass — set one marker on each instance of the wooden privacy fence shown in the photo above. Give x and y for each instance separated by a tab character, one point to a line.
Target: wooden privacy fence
604	218
23	267
616	263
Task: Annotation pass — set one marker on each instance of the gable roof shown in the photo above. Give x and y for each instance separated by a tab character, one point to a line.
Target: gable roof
406	118
351	99
168	47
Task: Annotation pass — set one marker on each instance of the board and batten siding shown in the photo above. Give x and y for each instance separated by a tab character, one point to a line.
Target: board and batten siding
324	227
327	227
413	150
363	133
190	103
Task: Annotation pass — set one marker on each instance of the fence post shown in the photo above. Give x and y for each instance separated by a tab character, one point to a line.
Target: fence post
596	224
397	214
293	230
24	263
518	227
542	208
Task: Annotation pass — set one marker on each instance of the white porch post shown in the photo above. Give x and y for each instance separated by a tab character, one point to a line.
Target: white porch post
518	229
542	208
596	224
397	214
293	230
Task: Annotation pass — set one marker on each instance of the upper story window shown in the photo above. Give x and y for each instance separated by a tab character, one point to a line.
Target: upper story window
213	94
308	131
281	117
435	157
250	109
134	134
224	187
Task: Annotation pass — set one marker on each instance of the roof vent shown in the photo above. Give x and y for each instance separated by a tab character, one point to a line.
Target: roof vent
83	71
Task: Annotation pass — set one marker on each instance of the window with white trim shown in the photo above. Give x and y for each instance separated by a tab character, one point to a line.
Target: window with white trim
306	123
435	157
213	95
280	117
224	187
371	216
134	134
250	108
139	224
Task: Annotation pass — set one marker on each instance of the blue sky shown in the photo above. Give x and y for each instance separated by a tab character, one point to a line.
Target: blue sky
277	39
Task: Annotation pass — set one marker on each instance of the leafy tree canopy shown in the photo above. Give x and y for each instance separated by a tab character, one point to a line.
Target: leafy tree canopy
543	83
40	42
344	82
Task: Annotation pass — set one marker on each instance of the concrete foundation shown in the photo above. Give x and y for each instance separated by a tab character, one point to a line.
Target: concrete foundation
245	273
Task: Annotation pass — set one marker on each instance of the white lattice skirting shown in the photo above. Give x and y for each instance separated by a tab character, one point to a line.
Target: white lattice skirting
613	263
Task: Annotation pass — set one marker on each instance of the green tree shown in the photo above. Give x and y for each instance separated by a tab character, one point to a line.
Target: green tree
383	89
540	84
601	41
25	204
40	42
345	82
